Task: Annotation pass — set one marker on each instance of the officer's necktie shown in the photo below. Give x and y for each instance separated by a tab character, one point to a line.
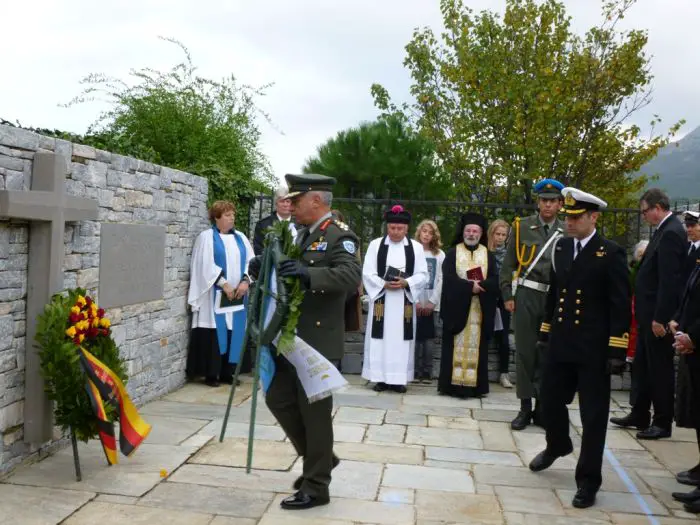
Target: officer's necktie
578	249
546	230
693	250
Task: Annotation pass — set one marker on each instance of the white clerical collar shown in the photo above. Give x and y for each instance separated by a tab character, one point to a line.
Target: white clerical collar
315	225
404	241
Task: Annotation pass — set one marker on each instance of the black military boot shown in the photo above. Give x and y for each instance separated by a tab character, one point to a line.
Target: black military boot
524	417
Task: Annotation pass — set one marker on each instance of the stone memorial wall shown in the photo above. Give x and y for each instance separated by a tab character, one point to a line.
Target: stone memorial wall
150	216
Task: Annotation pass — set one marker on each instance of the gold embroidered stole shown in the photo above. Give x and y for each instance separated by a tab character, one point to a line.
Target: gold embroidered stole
465	357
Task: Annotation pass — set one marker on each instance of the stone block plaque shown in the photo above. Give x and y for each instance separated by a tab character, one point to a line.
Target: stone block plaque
132	264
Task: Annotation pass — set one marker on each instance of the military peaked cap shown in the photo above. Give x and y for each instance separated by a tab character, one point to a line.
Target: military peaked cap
299	184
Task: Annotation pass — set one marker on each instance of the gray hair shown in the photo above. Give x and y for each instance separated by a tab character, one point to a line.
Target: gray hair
281	193
326	197
639	249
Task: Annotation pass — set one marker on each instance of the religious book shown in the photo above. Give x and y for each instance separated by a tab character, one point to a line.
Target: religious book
223	304
393	274
475	274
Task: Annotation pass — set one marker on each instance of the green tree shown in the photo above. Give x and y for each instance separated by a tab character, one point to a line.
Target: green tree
381	159
510	100
181	120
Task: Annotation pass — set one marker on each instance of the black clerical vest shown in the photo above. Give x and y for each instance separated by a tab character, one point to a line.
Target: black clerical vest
378	311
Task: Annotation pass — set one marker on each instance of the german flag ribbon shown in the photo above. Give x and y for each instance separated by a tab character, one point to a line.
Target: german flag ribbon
102	386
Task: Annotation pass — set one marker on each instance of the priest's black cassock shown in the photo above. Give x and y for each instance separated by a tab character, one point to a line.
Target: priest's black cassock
456	303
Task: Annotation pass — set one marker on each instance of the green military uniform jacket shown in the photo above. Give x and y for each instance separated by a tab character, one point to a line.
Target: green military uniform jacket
330	254
531	234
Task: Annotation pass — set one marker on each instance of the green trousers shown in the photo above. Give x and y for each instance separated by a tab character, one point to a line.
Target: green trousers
308	426
529	312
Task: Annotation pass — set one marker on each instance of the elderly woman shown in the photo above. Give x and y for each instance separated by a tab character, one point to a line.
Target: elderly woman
218	289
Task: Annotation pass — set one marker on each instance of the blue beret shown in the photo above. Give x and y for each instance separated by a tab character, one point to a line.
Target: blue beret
548	188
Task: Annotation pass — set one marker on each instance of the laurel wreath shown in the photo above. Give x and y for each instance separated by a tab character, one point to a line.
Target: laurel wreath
71	320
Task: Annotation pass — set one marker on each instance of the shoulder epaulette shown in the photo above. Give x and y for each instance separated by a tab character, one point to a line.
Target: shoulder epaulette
341	224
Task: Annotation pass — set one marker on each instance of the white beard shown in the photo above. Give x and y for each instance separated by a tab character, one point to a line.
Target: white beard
471	243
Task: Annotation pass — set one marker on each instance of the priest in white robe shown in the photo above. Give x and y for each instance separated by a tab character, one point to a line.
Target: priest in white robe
217	297
394	274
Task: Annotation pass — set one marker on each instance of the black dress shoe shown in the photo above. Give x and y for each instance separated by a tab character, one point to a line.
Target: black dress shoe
693	507
544	460
300	501
300	479
689	477
211	382
401	389
380	387
630	421
584	498
654	432
522	420
687	497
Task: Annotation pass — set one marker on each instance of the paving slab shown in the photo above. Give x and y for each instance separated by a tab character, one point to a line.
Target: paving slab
450	465
359	415
441	401
463	423
517	518
675	455
427	478
385	433
39	505
529	501
184	410
457	508
617	502
132	476
502	416
241	430
632	519
428	410
235	478
394	417
382	401
353	510
465	455
497	436
375	453
444	437
201	498
115	514
393	495
199	393
172	430
233	452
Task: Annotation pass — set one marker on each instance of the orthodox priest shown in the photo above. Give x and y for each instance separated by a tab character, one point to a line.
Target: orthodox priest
394	274
468	310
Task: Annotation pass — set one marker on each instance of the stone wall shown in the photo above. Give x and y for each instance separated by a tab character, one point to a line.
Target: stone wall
152	336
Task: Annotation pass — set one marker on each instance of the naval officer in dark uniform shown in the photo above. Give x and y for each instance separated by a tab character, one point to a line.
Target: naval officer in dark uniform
329	271
586	322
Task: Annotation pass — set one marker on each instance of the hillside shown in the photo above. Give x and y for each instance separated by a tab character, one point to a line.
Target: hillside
678	167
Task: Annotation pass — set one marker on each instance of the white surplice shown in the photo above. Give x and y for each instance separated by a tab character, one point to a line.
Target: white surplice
204	273
390	360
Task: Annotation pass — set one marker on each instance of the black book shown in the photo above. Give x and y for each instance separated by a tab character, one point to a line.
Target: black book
393	274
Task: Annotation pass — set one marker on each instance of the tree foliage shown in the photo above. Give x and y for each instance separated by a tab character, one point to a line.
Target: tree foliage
510	100
181	120
381	159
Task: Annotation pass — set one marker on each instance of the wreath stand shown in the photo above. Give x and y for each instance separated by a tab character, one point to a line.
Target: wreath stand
76	457
262	291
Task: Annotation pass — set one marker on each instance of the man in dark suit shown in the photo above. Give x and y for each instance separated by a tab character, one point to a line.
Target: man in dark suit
691	219
657	295
686	330
585	328
283	207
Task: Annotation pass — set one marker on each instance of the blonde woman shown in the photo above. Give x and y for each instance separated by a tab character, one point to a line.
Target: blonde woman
497	237
428	235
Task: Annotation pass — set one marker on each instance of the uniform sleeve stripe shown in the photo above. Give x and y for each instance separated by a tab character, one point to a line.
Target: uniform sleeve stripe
617	343
545	327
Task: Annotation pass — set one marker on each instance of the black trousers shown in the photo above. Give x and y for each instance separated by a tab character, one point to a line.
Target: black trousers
654	378
560	382
503	341
308	426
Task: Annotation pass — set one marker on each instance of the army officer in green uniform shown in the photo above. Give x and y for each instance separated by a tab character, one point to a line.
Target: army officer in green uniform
329	271
524	281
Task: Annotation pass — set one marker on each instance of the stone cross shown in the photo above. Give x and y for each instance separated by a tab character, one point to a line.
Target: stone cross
48	208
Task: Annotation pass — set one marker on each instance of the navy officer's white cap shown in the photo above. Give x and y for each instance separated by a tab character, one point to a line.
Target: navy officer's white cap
577	201
691	217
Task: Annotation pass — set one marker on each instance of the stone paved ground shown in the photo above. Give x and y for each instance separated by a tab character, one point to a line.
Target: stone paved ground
413	458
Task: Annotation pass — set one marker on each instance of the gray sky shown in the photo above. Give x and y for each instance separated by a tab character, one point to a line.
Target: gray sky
322	55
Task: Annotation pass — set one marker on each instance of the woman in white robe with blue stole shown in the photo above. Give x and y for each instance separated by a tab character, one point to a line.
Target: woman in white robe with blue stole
218	274
394	274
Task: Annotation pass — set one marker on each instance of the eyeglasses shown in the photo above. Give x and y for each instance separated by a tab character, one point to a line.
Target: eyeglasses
645	210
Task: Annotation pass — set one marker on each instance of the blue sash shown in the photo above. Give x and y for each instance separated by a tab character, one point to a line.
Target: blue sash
239	317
